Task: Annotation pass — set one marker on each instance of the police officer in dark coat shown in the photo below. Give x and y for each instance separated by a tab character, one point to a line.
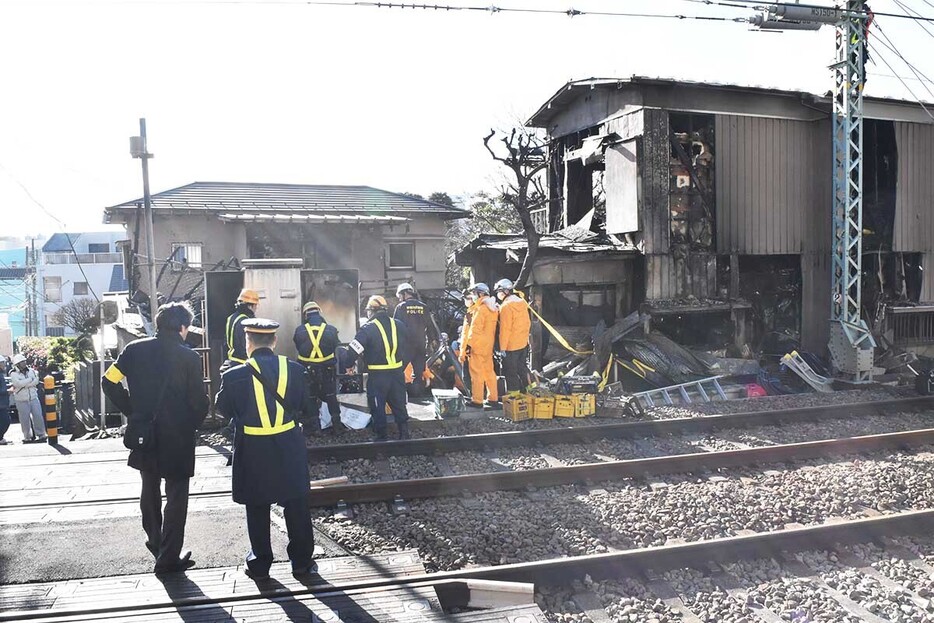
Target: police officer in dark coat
414	315
235	340
382	344
165	378
316	342
270	461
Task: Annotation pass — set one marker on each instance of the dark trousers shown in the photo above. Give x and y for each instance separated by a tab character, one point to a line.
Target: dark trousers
4	418
165	532
516	370
416	388
387	387
322	383
297	524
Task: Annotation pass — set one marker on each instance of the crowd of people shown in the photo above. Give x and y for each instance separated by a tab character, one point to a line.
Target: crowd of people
156	383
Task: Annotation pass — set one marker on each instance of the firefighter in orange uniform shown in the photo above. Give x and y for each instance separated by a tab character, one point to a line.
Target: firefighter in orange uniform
514	326
479	346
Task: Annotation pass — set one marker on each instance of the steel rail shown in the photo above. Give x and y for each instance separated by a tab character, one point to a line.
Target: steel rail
618	430
611	470
442	486
561	570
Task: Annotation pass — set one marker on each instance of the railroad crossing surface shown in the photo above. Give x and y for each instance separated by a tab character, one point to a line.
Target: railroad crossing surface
72	511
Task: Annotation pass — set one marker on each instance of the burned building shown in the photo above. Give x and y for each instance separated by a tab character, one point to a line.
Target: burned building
725	194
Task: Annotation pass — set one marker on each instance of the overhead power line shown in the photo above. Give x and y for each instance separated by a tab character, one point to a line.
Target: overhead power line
888	43
71	243
878	54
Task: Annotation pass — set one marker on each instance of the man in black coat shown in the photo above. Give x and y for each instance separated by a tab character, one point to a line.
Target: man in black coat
415	316
316	342
165	379
264	397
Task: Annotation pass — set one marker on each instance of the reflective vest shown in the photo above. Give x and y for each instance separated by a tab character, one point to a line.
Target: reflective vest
231	325
390	348
267	426
314	334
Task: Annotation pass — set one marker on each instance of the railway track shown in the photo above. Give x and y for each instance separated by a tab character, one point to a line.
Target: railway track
618	430
586	580
359	596
456	485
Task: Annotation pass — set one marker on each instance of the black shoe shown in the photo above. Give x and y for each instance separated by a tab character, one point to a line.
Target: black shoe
378	437
404	434
183	564
309	572
256	575
475	405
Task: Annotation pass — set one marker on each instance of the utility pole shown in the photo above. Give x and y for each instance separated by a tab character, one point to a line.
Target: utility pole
851	343
139	149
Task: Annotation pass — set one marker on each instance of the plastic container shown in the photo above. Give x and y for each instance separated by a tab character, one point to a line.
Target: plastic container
543	408
564	406
517	408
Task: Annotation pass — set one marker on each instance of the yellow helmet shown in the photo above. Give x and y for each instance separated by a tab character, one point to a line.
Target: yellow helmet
310	306
376	302
248	296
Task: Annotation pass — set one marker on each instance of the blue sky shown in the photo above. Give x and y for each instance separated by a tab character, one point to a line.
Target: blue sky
279	92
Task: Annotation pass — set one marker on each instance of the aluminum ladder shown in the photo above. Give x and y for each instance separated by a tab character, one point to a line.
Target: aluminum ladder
663	395
794	362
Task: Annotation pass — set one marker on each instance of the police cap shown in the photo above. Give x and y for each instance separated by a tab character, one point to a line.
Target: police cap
260	325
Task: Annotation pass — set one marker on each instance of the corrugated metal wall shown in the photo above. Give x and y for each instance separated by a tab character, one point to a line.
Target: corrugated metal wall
914	196
763	169
668	277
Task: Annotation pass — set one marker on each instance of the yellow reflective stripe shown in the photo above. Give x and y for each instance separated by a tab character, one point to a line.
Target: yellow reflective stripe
316	356
113	374
231	325
272	430
283	382
260	394
391	363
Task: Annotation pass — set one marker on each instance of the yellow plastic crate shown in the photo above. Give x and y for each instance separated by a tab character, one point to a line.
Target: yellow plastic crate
584	404
564	406
543	408
517	408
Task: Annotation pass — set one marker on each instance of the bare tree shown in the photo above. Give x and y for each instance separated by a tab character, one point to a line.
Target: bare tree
79	315
526	160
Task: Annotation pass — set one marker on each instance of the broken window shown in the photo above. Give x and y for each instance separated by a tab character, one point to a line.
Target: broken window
580	306
691	180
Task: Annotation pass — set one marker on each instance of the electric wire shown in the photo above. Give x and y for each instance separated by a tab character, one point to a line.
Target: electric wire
891	46
61	223
908	10
904	84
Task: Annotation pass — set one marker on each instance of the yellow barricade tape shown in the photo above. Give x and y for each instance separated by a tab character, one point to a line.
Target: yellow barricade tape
558	336
606	373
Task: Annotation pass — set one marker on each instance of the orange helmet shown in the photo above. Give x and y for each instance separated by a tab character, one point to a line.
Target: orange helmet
248	296
376	302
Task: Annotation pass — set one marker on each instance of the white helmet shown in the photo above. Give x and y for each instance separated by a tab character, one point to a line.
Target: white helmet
404	287
18	358
502	285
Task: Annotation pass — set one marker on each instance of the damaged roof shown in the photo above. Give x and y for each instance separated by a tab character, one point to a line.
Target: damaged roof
570	240
573	89
230	198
